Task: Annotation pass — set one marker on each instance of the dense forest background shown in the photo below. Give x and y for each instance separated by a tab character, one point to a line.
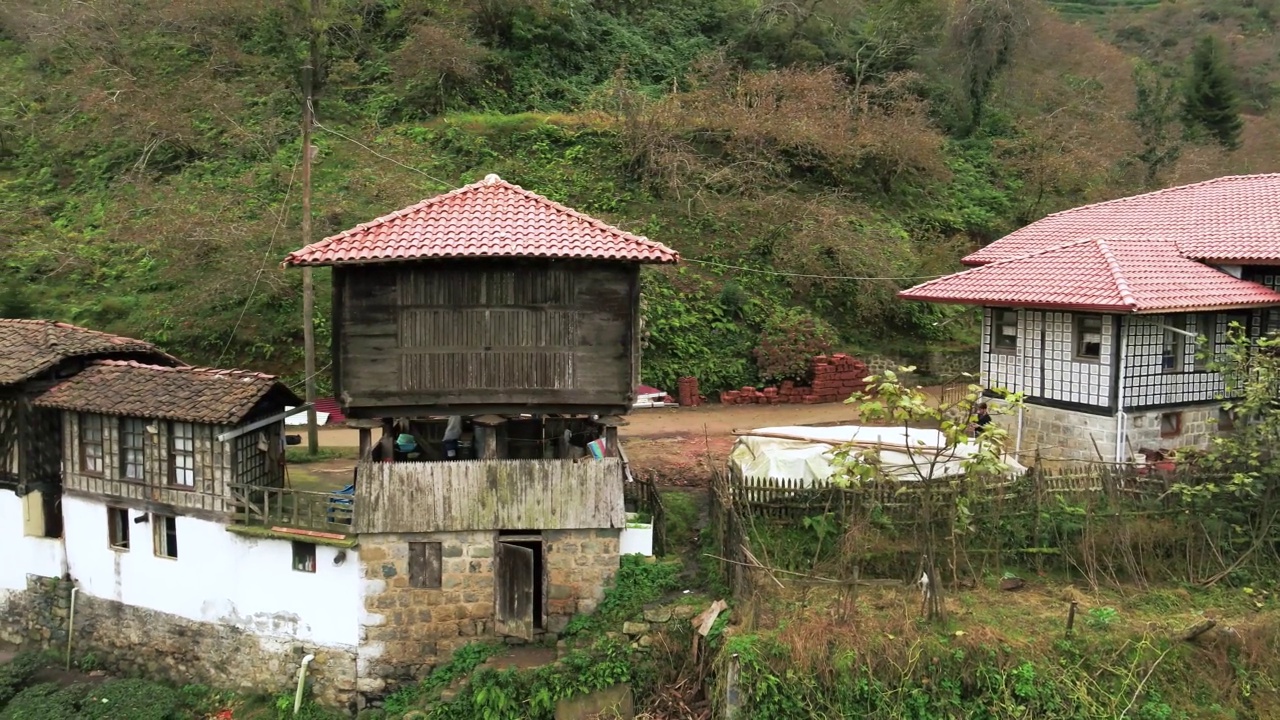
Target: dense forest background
838	150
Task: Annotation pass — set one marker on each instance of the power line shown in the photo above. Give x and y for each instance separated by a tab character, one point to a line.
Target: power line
375	152
284	208
803	275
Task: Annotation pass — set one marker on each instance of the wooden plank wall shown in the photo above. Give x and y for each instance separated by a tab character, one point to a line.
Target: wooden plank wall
488	495
475	333
212	469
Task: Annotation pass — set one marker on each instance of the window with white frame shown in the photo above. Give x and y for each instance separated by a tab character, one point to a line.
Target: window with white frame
1004	330
132	438
1173	347
1088	340
182	454
92	448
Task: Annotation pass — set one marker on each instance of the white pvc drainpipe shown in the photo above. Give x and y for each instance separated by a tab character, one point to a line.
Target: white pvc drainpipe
1120	414
302	678
71	623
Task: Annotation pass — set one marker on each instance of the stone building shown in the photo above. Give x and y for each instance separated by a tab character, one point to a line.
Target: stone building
1106	317
518	318
489	318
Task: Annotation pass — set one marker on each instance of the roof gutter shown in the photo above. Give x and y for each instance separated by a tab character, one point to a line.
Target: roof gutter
232	434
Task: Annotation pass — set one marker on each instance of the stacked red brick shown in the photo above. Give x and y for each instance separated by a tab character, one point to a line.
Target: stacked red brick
835	378
687	392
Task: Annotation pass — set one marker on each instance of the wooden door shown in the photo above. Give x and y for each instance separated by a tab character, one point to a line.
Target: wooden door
513	591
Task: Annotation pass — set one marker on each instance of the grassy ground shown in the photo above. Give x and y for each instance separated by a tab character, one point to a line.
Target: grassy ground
1123	658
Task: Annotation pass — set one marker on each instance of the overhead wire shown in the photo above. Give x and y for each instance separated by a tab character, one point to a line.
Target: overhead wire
284	209
805	275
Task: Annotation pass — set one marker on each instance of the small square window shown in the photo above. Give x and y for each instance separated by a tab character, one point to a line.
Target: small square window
1226	420
1004	330
118	528
425	568
166	535
1170	424
1088	337
304	556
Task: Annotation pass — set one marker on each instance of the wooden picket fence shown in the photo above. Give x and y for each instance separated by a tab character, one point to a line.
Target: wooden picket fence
791	498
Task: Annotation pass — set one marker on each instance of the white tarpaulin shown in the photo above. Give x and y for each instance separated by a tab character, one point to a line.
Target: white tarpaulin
810	457
301	418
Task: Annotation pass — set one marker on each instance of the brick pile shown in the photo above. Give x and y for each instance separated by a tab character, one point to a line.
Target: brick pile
835	378
687	392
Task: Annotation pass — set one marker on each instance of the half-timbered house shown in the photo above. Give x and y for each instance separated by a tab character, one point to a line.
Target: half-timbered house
521	318
1107	317
35	354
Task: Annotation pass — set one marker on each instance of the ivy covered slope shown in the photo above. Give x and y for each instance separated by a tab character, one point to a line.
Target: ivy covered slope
148	152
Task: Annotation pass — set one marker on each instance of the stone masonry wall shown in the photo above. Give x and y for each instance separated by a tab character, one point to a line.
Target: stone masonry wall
1069	435
405	631
1199	426
1058	434
129	640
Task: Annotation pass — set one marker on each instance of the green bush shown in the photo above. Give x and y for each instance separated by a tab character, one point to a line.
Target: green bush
791	336
112	700
15	675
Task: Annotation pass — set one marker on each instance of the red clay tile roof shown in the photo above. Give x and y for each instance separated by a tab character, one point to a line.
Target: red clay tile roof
30	347
184	394
491	218
1122	276
1232	220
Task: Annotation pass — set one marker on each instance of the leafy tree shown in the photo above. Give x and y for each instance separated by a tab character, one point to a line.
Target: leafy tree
1155	118
1210	99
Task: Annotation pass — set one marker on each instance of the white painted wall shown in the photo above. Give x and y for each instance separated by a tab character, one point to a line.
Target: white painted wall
218	577
24	555
1048	368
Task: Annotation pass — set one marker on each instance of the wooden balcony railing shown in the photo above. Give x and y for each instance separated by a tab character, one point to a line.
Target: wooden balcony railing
284	507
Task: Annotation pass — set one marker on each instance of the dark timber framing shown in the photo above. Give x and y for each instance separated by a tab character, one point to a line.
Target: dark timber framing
486	336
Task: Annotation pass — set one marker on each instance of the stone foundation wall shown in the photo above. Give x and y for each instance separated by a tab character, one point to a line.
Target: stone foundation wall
406	630
1058	434
1070	434
1199	426
130	640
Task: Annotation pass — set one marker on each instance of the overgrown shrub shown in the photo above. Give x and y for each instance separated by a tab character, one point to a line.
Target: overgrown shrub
639	581
790	337
113	700
15	675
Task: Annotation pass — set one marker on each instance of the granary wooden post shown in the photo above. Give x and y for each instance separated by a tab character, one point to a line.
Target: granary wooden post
610	424
488	432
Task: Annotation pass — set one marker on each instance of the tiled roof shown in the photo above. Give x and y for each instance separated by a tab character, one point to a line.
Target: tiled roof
1125	275
1228	219
30	347
184	394
490	218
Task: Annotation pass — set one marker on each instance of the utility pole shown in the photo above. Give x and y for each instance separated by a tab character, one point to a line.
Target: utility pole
308	291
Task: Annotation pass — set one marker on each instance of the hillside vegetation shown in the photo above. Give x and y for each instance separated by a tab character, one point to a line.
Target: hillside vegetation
148	151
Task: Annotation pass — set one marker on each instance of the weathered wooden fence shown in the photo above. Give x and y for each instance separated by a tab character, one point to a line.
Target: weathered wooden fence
275	506
1107	523
489	495
784	498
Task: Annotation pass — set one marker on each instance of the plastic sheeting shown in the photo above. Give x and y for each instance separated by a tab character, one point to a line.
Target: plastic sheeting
301	418
812	460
